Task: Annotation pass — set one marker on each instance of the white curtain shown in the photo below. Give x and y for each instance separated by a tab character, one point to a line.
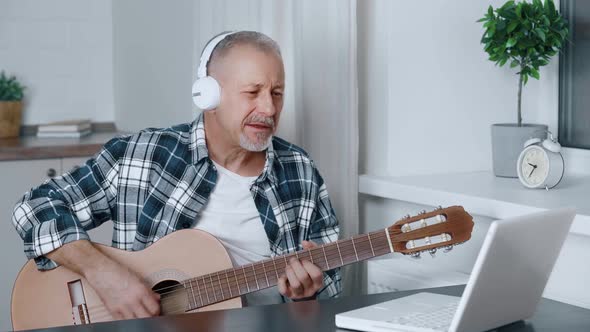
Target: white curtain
318	41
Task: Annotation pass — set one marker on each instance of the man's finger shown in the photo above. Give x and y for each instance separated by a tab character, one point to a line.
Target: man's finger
293	283
315	273
151	305
301	273
308	245
282	284
140	311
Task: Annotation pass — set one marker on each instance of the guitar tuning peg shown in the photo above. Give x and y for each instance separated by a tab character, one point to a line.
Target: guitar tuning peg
406	228
423	212
439	207
415	255
432	252
447	248
407	216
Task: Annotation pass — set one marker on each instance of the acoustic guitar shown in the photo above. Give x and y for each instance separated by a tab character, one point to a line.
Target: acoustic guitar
192	271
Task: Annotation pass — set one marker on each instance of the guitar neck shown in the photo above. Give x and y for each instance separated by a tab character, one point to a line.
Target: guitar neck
224	285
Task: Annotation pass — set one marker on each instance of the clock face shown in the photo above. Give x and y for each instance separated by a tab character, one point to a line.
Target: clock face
534	166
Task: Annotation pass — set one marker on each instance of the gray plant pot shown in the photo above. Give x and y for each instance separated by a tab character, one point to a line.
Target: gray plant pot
507	143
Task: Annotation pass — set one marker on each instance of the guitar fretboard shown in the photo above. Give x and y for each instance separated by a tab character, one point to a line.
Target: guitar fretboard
227	284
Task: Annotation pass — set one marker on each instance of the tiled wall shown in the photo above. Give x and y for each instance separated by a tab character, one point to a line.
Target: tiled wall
62	50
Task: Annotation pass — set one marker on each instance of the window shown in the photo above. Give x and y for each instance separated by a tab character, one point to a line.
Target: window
574	77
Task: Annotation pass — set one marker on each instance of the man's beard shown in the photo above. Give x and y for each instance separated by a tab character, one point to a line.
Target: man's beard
257	146
261	143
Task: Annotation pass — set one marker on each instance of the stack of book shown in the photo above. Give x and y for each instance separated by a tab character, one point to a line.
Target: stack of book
71	128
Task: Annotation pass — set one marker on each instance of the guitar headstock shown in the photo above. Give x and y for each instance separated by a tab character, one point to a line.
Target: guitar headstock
429	231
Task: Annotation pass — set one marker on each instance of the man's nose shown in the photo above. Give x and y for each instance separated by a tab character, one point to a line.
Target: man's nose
266	104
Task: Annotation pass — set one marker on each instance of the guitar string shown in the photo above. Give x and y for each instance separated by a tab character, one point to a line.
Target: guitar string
181	307
98	309
379	245
331	253
174	308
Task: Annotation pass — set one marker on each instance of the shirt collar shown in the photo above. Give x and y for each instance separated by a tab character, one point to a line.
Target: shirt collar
198	146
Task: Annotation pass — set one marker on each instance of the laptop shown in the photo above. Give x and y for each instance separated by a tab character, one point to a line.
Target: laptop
506	284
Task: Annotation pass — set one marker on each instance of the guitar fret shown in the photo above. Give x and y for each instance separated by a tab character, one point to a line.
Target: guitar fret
213	287
339	253
276	271
373	251
265	275
237	283
326	257
190	283
206	292
220	287
200	296
255	277
310	256
228	285
354	247
245	277
285	259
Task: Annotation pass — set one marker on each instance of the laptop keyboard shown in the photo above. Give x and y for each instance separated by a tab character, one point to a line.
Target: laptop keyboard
439	319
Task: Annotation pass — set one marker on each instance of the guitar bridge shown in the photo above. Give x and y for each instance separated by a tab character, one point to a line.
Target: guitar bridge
80	314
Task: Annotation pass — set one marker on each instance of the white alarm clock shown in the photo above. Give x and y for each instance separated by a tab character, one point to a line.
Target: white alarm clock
540	164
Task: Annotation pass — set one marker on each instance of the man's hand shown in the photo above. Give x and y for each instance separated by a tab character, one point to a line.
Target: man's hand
122	292
302	279
120	289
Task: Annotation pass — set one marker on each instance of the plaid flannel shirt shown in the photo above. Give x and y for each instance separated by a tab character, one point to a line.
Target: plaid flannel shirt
157	181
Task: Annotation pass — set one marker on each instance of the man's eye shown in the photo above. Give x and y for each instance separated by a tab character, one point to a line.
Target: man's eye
278	93
251	92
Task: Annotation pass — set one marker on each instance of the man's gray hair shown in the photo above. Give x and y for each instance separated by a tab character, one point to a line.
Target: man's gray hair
254	38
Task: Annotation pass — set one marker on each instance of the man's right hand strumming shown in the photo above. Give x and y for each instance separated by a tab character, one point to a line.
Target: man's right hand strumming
123	293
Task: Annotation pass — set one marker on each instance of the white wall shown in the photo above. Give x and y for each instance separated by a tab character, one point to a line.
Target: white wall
428	93
428	96
152	45
62	52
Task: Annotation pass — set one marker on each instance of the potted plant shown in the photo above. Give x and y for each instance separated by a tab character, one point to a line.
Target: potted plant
11	96
526	35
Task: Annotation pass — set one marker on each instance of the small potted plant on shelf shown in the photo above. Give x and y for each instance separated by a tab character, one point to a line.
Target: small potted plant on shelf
526	35
11	96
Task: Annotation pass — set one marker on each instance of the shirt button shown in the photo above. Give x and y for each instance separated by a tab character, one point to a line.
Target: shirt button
186	225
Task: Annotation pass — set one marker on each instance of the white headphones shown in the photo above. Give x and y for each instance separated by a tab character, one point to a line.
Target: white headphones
206	90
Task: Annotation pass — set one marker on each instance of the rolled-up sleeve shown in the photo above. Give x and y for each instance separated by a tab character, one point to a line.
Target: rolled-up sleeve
62	209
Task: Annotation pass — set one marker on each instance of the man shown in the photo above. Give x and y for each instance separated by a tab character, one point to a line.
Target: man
224	173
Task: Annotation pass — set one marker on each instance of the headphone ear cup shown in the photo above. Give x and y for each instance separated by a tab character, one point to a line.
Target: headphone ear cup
206	93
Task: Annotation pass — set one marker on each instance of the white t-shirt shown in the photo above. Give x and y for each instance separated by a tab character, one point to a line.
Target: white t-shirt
231	216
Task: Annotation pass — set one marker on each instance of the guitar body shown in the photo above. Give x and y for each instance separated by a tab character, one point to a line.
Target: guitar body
42	299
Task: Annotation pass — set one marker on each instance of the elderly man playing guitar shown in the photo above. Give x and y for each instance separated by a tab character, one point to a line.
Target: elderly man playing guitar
225	173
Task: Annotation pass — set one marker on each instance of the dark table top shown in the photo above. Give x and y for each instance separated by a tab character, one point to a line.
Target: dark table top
319	316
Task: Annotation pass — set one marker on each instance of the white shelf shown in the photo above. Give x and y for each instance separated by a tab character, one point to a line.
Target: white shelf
482	193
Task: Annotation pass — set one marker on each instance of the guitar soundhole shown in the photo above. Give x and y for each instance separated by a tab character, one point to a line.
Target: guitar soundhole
173	297
165	286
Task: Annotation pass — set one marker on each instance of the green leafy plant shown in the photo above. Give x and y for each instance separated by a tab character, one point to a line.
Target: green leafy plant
527	34
10	88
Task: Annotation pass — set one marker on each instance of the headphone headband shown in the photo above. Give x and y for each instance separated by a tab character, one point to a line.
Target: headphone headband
202	70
